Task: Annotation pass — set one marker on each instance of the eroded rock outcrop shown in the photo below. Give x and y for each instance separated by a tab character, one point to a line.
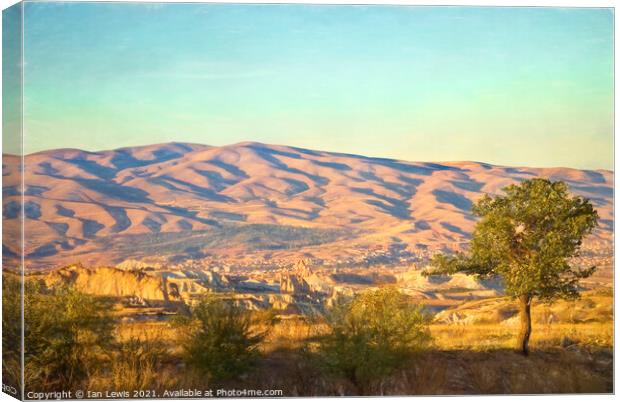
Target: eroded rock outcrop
302	280
133	285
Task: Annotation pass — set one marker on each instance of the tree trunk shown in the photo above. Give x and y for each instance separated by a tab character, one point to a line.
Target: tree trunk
525	303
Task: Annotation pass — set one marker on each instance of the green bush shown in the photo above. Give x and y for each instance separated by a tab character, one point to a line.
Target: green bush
373	334
221	338
66	335
11	330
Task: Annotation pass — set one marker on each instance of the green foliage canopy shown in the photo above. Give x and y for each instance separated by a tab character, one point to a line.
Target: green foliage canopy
527	237
221	338
373	334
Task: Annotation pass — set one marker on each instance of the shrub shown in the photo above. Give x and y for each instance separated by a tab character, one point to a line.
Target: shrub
373	334
66	333
136	363
221	338
11	330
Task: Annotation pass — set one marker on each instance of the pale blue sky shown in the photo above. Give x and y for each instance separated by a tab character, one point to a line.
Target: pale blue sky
513	86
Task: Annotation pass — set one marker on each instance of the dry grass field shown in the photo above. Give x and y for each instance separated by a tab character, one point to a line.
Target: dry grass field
571	353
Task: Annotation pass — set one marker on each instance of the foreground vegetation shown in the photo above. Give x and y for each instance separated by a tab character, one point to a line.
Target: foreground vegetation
376	344
565	357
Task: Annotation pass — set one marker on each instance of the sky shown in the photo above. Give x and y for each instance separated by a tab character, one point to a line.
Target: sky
511	86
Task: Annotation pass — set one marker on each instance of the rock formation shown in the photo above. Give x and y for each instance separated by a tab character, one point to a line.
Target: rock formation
132	285
294	281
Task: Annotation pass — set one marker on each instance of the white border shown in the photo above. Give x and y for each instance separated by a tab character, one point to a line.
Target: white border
514	3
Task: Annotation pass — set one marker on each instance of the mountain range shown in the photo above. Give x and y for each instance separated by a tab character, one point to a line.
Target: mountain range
252	200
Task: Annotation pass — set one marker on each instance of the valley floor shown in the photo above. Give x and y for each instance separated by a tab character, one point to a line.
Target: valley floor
463	359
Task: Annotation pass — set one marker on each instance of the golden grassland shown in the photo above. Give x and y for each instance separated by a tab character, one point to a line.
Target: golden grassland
482	337
571	353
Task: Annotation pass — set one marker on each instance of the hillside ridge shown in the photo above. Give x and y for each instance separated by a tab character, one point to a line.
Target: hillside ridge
257	201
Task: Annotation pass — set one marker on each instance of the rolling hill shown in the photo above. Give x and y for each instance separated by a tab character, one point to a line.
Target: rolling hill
252	200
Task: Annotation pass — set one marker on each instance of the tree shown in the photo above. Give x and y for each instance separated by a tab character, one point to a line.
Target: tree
373	334
527	237
221	338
